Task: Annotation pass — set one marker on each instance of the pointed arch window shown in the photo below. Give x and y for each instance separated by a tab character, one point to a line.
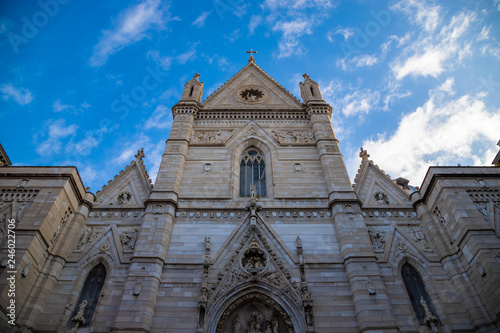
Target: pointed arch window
89	296
252	173
416	290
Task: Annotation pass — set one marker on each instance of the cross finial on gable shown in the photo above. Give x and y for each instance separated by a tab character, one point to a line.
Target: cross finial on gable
251	55
363	154
140	154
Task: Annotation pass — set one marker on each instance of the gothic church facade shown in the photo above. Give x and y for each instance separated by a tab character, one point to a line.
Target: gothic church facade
252	226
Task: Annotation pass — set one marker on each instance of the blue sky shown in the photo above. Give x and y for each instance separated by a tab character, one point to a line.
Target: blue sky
88	83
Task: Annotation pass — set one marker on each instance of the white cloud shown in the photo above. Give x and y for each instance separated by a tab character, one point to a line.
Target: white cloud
364	60
222	62
255	21
133	23
234	36
485	33
347	33
161	118
348	100
421	12
20	95
292	21
163	61
496	3
57	106
48	140
432	54
441	132
186	56
200	21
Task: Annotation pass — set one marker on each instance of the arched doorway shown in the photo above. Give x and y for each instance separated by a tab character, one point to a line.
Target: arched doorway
255	313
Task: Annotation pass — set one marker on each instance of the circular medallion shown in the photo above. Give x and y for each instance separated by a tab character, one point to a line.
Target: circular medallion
254	260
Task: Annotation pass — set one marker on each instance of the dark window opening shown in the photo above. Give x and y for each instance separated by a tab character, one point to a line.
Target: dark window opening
416	289
191	92
312	90
91	292
252	173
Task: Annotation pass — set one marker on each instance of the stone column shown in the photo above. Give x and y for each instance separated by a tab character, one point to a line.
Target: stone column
373	308
136	310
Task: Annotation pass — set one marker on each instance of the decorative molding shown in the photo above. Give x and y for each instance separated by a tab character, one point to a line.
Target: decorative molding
90	234
240	214
389	213
115	213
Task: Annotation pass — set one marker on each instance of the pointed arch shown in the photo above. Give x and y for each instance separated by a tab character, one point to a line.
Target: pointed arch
237	145
223	309
89	296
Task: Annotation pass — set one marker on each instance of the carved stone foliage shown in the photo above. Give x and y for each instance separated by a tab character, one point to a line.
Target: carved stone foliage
90	234
258	263
217	137
128	239
293	137
255	313
110	214
378	239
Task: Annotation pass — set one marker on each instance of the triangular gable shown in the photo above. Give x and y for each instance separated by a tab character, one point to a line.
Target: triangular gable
274	96
375	188
130	188
252	255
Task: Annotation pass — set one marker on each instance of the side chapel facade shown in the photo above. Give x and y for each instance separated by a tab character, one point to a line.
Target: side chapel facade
252	226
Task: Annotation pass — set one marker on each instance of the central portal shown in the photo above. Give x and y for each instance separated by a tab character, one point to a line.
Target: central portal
255	313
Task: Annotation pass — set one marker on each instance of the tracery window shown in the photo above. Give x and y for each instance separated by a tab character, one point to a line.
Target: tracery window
416	290
252	173
89	297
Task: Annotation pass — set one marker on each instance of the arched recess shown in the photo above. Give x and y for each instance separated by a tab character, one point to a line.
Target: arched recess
268	301
423	270
235	151
102	258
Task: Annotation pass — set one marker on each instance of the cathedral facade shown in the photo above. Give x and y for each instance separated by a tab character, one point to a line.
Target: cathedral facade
252	226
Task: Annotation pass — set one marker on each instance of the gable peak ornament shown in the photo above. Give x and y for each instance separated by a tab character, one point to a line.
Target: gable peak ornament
251	55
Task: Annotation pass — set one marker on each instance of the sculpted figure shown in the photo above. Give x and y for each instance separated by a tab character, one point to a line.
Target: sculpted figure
255	322
237	324
80	317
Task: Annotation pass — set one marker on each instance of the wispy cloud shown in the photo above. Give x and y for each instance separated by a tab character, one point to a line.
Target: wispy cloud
160	119
20	95
163	61
200	20
432	53
255	21
48	140
58	106
132	26
347	33
292	20
424	13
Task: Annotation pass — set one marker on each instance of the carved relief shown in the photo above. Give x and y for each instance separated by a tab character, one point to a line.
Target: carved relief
483	207
123	197
218	137
291	137
378	239
298	167
128	238
381	197
62	223
418	236
90	234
